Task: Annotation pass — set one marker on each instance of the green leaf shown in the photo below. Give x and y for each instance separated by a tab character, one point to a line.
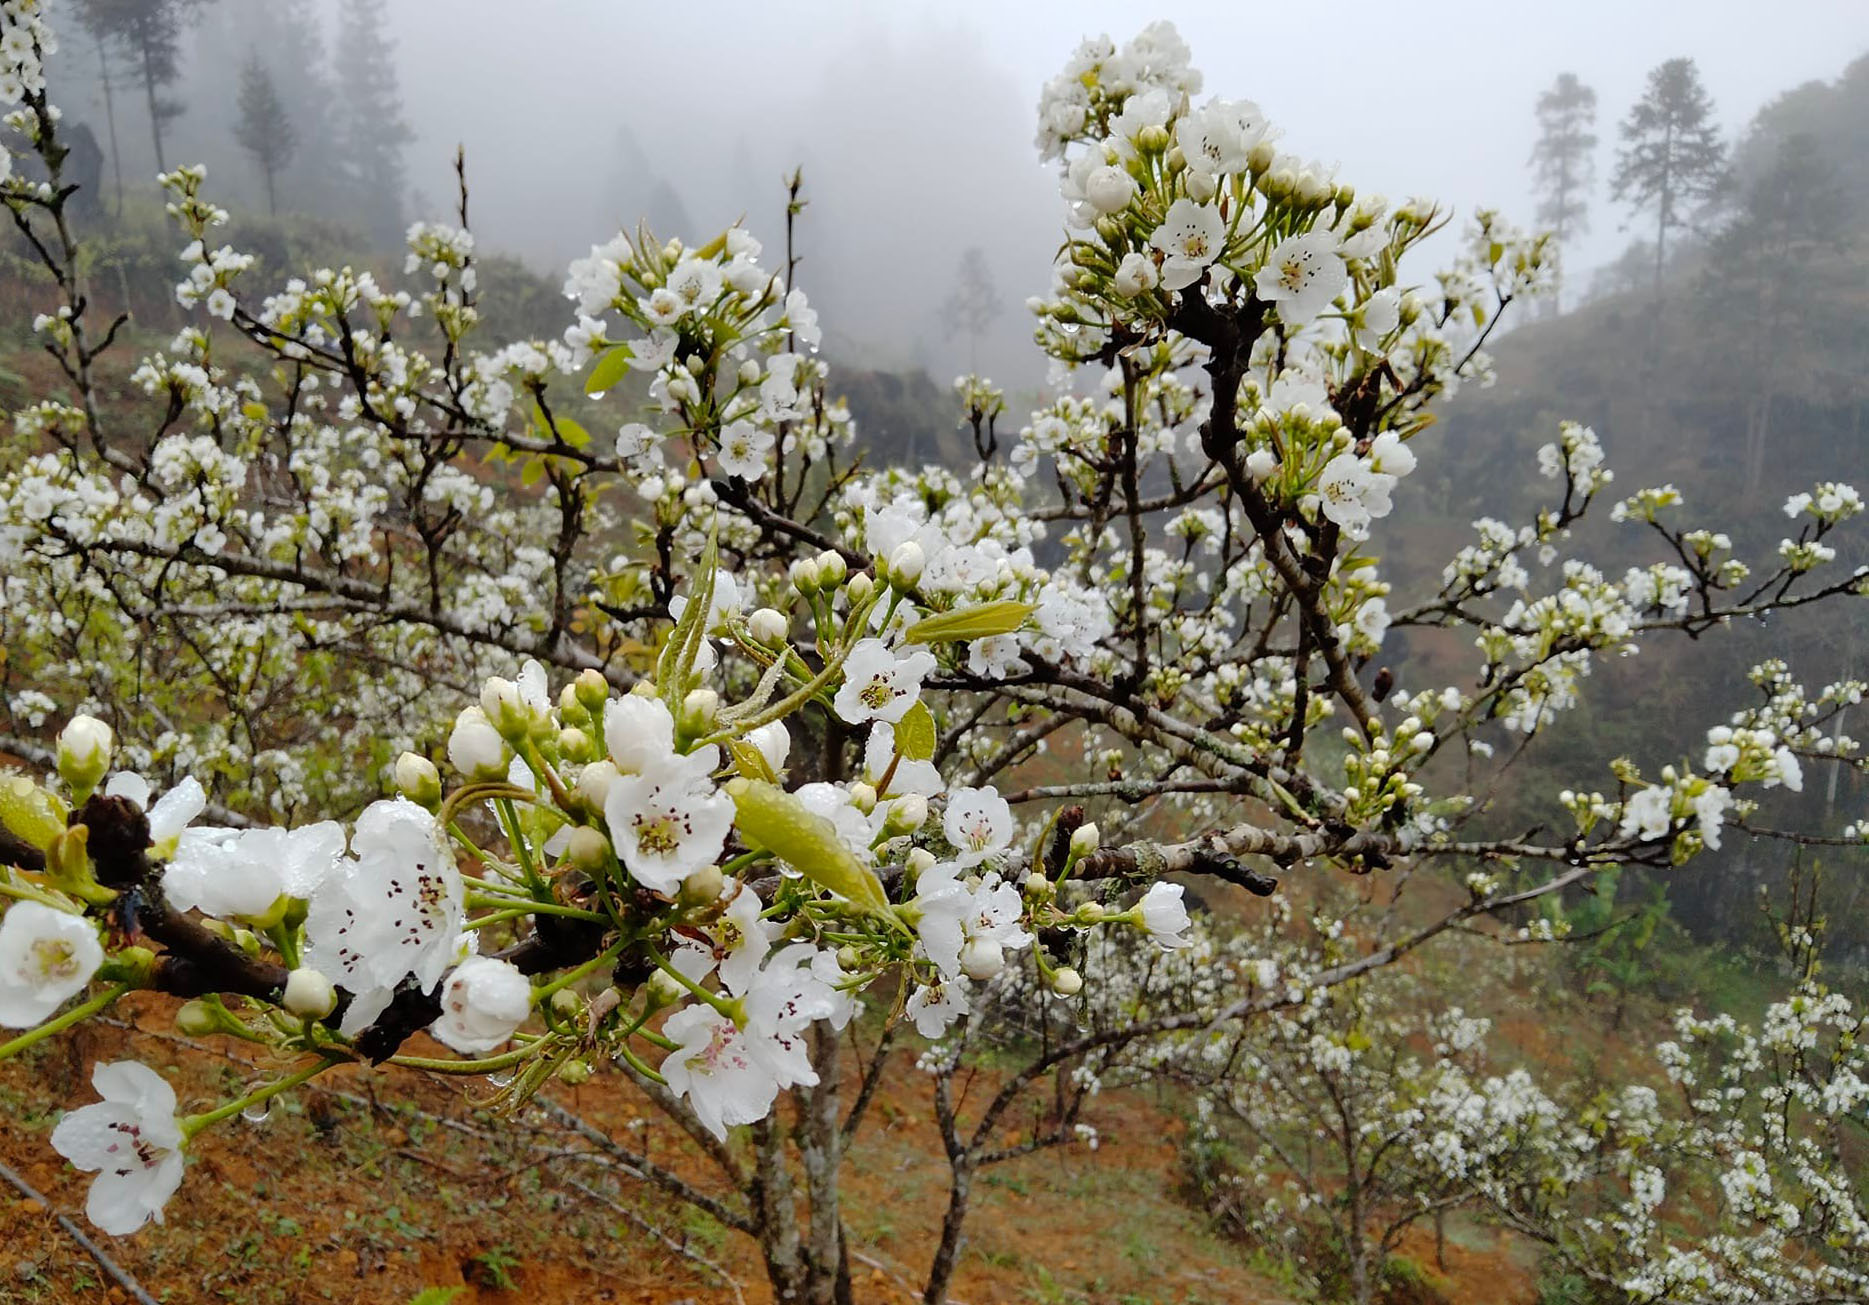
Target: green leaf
611	368
29	812
436	1296
532	472
915	733
572	432
778	821
967	623
750	761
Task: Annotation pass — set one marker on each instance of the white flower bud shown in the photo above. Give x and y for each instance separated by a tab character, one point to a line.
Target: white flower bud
920	861
1067	982
1135	274
575	745
863	797
768	625
1085	840
418	780
475	748
859	589
84	748
702	887
750	372
805	577
698	711
197	1019
907	814
310	994
981	959
587	849
1109	189
500	701
592	689
594	783
906	563
831	569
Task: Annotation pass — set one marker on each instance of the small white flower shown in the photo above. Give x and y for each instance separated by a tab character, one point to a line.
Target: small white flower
1162	914
1135	274
133	1142
670	821
232	872
1302	275
978	822
880	684
717	1067
1351	492
744	450
483	1002
933	1007
1191	236
46	957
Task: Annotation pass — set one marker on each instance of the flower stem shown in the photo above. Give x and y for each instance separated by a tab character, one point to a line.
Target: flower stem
193	1124
65	1021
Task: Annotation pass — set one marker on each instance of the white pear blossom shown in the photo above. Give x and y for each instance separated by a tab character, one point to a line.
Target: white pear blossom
131	1139
46	957
1162	914
235	872
744	450
394	909
1190	238
978	823
881	684
1351	492
668	821
483	1002
1301	276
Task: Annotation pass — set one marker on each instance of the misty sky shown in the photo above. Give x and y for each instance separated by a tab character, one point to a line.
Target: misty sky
914	119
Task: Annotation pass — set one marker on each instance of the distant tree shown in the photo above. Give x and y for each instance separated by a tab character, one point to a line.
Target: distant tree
92	21
1771	275
306	93
264	129
1563	161
371	127
1672	153
150	34
974	304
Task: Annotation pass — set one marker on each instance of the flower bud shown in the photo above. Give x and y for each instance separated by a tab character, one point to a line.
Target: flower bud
587	849
418	780
1202	186
1090	913
575	745
1036	884
1084	840
863	797
592	689
500	701
664	989
848	957
906	563
981	959
859	589
1110	189
698	711
1067	982
1260	157
920	861
1153	139
84	748
475	748
570	710
594	783
749	372
768	625
310	994
567	1004
907	814
197	1019
831	569
805	578
574	1073
702	887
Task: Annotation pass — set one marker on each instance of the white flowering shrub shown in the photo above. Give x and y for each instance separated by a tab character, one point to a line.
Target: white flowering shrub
740	726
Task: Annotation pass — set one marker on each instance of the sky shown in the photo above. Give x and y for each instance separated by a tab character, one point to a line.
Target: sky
914	119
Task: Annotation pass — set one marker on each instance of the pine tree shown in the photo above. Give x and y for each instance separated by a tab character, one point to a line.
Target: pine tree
304	88
264	130
371	129
1564	159
150	34
1672	153
974	304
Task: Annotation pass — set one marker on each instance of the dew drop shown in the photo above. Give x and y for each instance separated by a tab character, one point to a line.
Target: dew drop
258	1113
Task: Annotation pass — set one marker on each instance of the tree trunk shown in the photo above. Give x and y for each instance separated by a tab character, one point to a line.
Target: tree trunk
155	114
110	123
272	197
947	1254
820	1141
776	1218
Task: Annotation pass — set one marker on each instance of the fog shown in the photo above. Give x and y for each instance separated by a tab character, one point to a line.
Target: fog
913	121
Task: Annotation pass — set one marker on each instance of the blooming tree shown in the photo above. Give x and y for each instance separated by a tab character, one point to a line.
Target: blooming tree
740	726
